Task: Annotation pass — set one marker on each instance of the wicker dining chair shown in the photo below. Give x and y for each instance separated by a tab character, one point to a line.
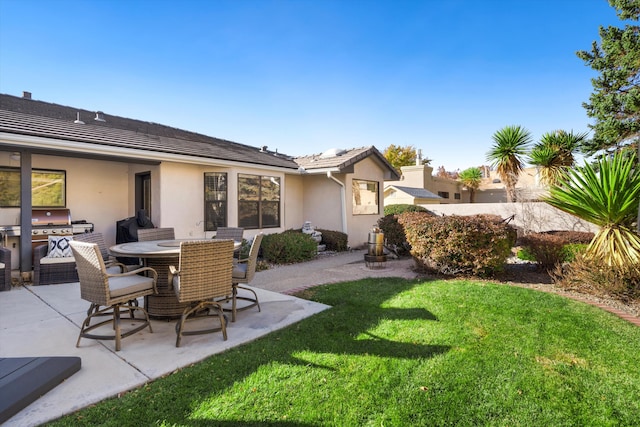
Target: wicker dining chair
203	274
110	294
113	266
146	234
233	233
243	272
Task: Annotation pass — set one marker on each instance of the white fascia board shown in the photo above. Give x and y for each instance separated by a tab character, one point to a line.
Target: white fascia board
322	171
40	143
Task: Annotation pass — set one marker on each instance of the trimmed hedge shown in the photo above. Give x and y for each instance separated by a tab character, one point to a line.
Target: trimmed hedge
476	244
402	208
334	240
288	247
553	247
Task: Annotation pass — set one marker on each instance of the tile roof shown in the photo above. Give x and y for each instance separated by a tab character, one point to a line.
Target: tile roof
42	119
342	159
420	193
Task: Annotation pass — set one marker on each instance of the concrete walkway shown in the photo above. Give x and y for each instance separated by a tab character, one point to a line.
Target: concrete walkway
38	321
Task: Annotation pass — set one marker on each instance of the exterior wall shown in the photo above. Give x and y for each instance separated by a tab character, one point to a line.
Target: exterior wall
293	202
450	186
359	226
322	202
181	198
528	216
96	191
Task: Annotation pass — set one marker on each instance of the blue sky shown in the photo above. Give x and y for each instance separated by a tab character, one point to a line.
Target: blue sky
304	76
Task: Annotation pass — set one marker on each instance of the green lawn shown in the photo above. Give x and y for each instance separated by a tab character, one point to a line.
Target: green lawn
393	352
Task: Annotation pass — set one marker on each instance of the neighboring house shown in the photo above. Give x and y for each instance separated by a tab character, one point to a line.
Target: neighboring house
105	168
418	186
399	195
491	190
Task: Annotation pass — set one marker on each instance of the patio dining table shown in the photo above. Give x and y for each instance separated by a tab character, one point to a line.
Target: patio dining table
159	255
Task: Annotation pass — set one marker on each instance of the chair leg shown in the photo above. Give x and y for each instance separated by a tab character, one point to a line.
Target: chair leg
192	312
114	318
234	303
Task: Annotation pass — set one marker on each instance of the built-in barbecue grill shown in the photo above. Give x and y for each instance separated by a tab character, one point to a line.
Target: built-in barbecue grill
49	222
55	222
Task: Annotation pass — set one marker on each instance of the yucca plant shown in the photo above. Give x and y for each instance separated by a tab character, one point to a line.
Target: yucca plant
507	154
605	194
471	178
554	153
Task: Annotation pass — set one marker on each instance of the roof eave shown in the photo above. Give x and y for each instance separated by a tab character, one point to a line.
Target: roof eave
65	146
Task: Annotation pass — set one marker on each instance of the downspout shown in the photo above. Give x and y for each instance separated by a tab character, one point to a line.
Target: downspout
343	200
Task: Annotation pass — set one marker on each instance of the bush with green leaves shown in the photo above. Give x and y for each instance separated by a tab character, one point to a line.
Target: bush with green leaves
393	231
334	240
476	244
402	208
288	247
550	248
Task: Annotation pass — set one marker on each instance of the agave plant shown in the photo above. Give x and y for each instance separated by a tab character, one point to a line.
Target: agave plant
554	153
510	146
607	195
471	178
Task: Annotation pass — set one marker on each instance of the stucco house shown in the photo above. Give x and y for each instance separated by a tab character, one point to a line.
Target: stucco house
105	168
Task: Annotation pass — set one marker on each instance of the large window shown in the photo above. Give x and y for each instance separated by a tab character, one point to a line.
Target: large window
215	200
365	197
258	201
48	188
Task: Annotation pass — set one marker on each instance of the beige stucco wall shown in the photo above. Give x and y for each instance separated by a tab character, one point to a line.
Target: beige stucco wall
359	226
293	205
180	195
528	216
322	202
97	191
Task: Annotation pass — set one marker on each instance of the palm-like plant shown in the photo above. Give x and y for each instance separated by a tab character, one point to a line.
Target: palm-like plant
554	153
510	147
471	178
607	195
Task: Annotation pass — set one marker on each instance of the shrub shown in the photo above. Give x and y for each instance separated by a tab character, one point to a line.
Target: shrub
288	247
555	247
393	231
334	240
477	244
402	208
546	249
595	277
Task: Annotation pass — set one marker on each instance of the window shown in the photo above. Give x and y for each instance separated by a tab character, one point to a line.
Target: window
48	188
258	201
215	200
456	196
443	194
365	197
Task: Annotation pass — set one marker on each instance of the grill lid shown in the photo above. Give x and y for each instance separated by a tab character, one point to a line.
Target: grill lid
49	217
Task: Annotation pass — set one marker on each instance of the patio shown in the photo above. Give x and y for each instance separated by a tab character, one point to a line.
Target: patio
44	321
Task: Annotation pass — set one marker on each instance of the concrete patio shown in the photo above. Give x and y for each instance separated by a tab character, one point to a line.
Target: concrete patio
44	321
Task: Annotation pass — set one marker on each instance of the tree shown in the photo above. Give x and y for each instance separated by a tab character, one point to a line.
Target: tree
605	194
510	146
615	101
554	153
400	156
471	178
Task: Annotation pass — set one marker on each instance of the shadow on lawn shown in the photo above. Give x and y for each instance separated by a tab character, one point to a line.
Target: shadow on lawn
345	329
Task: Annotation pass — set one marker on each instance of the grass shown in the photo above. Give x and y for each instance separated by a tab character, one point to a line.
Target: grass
394	352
